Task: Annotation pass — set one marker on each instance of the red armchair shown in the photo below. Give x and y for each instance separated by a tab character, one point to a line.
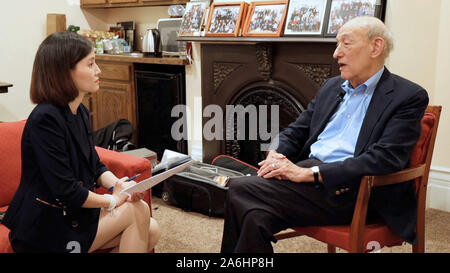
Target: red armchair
10	169
363	237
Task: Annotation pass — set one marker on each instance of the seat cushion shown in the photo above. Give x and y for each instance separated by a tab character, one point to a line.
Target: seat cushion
10	158
378	233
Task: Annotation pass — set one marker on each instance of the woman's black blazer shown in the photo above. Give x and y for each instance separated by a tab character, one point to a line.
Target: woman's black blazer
46	212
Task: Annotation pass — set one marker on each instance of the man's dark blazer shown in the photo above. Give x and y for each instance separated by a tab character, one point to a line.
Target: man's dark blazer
57	172
388	134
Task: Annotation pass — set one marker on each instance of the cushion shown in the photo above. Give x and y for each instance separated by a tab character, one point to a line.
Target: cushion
339	236
10	158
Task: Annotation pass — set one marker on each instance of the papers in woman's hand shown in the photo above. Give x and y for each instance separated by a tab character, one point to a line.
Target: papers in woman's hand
169	160
172	162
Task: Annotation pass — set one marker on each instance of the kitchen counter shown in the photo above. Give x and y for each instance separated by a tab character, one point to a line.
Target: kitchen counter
138	58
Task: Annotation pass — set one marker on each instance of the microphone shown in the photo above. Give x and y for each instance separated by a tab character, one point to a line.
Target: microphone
340	96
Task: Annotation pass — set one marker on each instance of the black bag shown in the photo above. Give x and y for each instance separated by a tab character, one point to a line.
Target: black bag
116	136
201	188
235	164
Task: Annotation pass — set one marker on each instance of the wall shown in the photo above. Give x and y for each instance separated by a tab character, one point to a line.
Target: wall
421	55
439	188
23	29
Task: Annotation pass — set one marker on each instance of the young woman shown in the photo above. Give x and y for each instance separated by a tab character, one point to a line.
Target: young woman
55	208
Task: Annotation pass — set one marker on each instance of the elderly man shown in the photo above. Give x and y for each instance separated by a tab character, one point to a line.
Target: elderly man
364	122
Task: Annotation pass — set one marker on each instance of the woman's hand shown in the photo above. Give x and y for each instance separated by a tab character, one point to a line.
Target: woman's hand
122	197
118	187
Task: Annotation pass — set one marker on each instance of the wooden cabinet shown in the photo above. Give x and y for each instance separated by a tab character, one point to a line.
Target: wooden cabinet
128	3
116	97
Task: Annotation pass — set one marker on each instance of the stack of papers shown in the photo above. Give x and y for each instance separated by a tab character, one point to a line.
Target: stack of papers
171	163
169	160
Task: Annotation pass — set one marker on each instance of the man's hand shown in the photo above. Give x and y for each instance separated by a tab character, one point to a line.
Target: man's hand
271	160
278	166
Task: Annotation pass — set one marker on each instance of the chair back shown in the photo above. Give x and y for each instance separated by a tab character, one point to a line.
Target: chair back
423	150
422	154
10	159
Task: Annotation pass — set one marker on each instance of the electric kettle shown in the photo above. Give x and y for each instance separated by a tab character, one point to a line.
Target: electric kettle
151	43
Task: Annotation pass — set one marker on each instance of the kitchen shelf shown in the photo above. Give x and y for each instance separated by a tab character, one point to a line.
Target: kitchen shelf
4	87
140	59
87	4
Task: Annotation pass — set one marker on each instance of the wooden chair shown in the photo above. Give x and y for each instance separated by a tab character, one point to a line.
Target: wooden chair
363	237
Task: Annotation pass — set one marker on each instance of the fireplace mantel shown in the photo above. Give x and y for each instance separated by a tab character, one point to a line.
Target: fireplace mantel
253	40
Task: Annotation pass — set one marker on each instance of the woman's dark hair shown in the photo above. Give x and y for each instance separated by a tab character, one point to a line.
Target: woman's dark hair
51	80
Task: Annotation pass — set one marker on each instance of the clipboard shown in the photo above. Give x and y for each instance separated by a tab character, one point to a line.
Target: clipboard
155	180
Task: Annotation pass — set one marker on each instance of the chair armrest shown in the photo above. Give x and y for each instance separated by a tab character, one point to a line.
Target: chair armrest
367	182
397	177
121	165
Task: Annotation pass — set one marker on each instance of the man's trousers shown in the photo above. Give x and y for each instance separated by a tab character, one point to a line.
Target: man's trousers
257	208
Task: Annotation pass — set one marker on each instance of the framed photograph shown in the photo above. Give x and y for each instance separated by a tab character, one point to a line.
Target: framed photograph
305	17
342	11
265	18
191	24
225	19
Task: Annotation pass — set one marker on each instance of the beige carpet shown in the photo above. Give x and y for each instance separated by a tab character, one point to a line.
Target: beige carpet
190	232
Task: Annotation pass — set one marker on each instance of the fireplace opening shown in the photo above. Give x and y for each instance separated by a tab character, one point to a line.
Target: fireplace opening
287	74
247	148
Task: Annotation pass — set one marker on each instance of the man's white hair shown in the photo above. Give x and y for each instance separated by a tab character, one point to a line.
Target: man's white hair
374	28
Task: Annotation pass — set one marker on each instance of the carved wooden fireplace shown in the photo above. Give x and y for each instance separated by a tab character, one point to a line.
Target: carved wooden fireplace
287	74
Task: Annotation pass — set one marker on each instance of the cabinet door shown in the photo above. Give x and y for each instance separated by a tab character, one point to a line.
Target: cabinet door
92	2
113	103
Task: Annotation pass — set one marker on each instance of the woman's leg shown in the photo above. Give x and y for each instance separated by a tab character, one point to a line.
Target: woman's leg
154	233
130	223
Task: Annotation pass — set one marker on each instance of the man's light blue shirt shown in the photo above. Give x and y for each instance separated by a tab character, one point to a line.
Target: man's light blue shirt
338	140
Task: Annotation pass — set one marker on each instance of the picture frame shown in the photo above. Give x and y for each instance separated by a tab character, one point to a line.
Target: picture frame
341	11
193	18
305	17
265	18
226	19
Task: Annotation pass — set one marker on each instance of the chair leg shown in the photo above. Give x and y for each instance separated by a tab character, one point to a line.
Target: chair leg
419	247
331	249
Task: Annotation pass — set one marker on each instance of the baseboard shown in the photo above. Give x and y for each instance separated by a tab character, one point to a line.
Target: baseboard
438	192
